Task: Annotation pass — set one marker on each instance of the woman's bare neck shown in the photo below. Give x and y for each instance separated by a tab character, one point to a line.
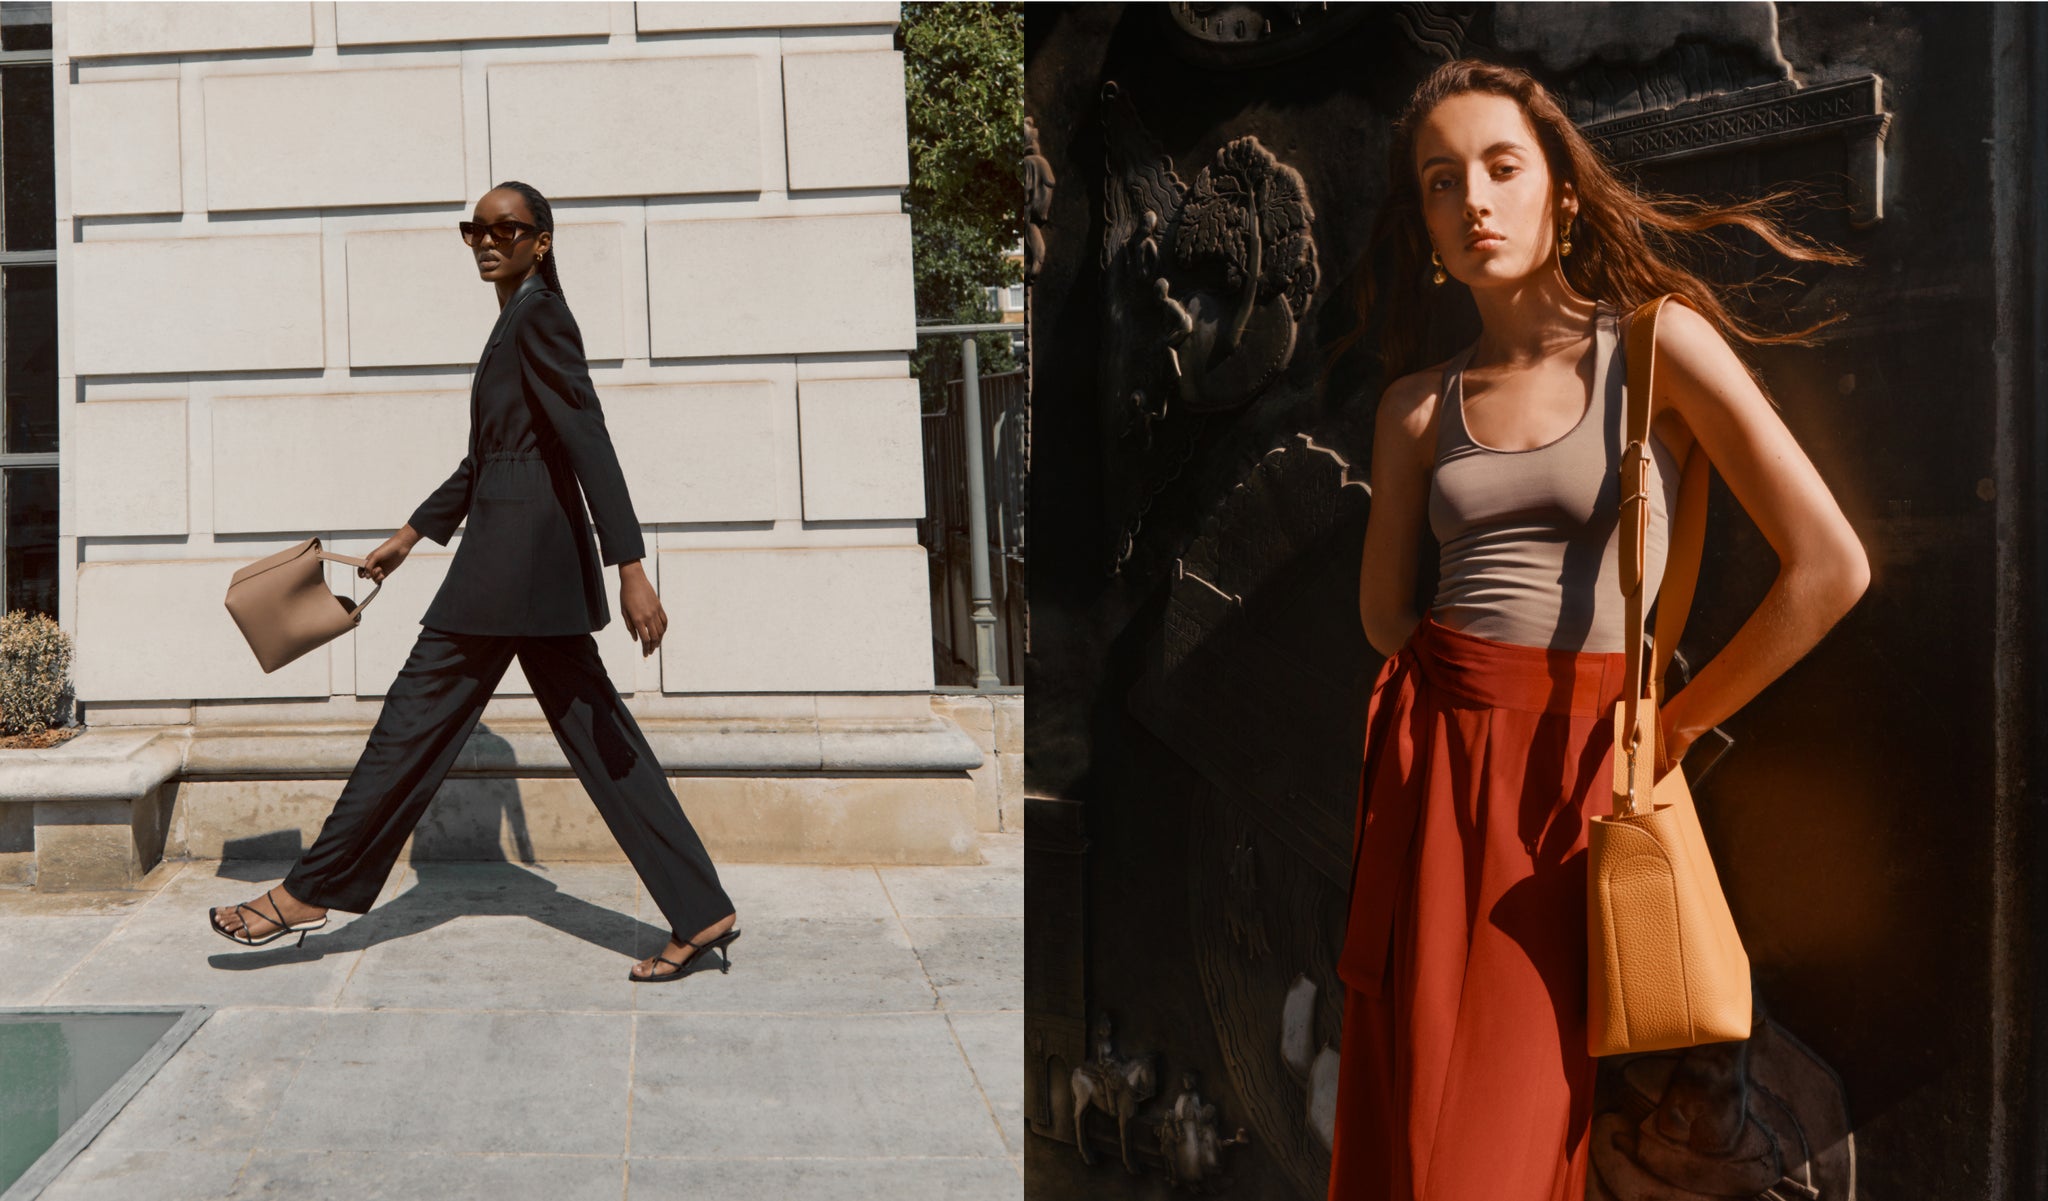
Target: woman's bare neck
1526	324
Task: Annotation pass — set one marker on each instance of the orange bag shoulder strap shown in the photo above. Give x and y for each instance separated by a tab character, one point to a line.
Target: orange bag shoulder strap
1686	527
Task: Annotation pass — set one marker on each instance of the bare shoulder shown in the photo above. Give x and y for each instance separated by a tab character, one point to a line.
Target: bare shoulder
1409	403
1408	410
1685	338
1690	352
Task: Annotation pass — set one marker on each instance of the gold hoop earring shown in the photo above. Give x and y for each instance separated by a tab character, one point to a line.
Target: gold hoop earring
1564	238
1439	277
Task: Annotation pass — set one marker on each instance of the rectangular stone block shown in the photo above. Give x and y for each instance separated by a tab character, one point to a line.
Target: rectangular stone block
594	284
282	464
140	306
1009	715
371	22
589	126
191	26
838	619
414	296
1010	789
971	713
388	136
128	469
124	147
844	121
86	845
779	285
681	16
125	653
863	449
17	843
697	452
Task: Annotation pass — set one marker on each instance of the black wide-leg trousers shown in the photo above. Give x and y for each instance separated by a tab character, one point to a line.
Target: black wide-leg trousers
428	716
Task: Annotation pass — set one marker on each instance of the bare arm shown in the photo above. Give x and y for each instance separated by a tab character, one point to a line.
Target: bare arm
1401	462
1822	566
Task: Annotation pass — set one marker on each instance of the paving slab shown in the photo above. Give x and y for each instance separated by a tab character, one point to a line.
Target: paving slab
547	1083
99	1174
219	1092
780	891
949	892
824	1180
415	1176
40	951
492	962
164	953
881	1085
994	1043
502	936
976	963
804	965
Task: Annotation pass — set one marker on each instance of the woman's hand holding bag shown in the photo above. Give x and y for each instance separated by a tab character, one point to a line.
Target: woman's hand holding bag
386	558
284	608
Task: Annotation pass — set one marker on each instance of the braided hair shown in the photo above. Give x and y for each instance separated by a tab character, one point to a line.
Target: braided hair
543	216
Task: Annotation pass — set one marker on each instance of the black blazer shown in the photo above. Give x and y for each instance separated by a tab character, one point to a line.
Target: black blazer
526	564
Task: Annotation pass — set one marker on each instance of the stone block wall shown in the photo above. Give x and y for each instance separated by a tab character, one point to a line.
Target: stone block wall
995	721
268	324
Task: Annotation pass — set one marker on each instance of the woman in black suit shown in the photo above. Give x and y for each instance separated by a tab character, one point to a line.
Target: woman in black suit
527	581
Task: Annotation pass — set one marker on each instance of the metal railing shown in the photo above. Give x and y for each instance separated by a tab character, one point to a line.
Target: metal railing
974	523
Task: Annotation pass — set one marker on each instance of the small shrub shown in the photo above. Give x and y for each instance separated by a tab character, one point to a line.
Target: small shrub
35	661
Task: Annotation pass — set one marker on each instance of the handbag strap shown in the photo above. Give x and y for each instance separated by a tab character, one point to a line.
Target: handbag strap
353	561
1686	529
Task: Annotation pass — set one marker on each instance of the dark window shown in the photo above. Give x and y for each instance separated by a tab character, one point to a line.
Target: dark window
27	142
28	313
24	26
31	568
28	340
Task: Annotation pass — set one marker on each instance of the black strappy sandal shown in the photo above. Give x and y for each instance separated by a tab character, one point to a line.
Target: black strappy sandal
696	962
274	917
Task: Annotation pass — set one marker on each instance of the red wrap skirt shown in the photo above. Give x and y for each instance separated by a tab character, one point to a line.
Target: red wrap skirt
1463	1073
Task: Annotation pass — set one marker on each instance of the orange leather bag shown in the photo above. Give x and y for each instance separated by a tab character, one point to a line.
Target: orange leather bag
1666	967
284	607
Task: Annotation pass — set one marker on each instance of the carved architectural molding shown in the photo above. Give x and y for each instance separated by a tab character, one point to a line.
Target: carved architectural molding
1852	109
1234	35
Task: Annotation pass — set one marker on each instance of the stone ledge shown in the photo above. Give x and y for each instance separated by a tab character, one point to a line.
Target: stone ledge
93	812
528	747
118	765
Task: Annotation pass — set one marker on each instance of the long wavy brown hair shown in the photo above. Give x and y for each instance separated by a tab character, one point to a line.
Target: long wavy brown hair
1624	242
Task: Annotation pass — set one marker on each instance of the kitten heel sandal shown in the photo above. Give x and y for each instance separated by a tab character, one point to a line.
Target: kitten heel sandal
698	960
274	917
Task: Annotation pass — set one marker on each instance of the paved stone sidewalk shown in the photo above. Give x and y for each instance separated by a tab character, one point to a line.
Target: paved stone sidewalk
475	1035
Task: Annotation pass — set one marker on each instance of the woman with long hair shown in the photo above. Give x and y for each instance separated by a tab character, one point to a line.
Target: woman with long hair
1464	1071
526	581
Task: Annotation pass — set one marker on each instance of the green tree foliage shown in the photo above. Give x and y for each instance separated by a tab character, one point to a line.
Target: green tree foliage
964	91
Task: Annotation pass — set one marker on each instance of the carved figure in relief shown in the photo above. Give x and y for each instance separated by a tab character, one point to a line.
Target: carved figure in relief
1115	1085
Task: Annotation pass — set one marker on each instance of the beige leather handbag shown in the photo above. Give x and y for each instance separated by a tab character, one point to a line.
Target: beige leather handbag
285	608
1666	967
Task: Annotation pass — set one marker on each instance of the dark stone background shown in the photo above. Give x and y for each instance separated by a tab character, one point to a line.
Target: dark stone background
1853	820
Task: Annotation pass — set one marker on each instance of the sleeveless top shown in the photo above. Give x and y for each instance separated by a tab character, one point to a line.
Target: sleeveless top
1529	538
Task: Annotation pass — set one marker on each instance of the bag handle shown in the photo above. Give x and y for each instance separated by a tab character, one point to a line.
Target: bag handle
1686	529
352	561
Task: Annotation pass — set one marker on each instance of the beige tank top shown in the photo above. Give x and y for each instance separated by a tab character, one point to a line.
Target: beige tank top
1529	547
